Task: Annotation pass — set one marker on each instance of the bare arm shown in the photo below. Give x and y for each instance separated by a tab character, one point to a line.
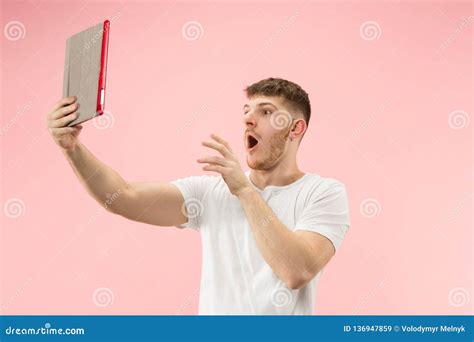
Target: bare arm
156	203
295	257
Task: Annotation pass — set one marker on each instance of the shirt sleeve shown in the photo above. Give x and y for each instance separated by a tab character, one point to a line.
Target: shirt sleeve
327	214
193	190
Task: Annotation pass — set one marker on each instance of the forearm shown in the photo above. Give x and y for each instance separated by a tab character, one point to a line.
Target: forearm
285	252
101	182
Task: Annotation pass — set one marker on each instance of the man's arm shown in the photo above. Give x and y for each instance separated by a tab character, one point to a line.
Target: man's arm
295	257
154	203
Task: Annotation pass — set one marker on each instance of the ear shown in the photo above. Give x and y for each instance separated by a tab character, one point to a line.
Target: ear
298	128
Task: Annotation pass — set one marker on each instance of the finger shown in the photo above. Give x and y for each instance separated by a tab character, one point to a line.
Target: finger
62	130
218	147
64	101
64	111
213	160
222	141
215	168
64	121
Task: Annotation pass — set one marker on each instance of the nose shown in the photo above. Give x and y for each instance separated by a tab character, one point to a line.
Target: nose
250	119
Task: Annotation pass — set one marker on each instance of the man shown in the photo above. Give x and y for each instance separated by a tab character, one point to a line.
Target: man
266	233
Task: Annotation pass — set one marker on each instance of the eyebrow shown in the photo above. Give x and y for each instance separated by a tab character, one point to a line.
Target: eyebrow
261	105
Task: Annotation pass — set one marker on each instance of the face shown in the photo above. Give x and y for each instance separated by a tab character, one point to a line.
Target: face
267	128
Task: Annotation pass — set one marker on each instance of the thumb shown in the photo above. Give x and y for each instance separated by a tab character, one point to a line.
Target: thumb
77	130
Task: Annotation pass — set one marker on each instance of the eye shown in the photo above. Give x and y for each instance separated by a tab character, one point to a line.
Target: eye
267	111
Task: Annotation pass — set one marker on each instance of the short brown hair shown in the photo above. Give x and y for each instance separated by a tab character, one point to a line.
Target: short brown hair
293	93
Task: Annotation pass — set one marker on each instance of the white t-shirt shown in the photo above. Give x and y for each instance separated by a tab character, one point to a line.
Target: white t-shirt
235	279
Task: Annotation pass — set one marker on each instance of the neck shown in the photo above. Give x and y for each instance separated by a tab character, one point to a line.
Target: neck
279	175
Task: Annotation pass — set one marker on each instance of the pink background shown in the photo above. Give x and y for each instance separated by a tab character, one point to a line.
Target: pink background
391	119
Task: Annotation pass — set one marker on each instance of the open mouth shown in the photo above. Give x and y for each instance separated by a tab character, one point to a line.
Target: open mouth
251	141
